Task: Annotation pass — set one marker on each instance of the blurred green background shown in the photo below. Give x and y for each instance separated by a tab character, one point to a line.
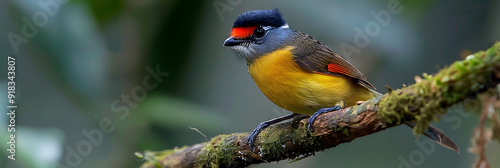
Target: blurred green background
90	55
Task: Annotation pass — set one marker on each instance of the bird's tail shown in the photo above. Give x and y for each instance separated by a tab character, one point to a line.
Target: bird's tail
374	92
438	137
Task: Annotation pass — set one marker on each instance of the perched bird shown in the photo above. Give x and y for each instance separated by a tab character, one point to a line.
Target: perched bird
299	73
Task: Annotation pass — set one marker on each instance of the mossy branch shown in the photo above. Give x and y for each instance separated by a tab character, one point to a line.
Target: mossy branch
422	102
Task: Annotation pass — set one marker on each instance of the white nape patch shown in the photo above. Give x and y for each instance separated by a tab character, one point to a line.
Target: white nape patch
285	26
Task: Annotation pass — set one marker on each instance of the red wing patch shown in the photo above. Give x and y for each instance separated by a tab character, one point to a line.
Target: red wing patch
335	68
242	32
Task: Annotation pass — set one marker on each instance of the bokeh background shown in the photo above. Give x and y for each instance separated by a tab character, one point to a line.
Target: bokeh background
92	53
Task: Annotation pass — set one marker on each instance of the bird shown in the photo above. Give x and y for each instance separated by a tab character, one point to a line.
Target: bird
298	73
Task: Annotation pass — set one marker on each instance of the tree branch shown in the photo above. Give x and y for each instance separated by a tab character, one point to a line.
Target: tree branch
422	102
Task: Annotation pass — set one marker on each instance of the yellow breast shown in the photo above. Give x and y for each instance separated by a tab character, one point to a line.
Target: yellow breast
300	91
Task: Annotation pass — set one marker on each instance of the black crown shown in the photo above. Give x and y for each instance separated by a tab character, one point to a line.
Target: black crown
260	18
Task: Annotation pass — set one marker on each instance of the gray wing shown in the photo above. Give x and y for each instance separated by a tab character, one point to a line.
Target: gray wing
313	56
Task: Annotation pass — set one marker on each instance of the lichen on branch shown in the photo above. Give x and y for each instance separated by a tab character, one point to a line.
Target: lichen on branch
425	100
422	102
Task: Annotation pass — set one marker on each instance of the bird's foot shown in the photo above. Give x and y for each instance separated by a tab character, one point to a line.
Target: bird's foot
264	125
255	132
319	112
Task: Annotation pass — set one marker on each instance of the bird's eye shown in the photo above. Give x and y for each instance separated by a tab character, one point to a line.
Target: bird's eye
259	32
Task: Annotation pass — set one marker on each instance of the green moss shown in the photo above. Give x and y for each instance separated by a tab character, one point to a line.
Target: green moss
274	140
154	157
426	100
219	151
343	130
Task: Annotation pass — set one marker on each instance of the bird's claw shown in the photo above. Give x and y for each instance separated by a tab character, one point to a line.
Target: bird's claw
264	125
319	112
255	132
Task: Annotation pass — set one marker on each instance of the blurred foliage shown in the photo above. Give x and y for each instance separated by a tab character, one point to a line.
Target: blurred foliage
106	10
172	42
95	52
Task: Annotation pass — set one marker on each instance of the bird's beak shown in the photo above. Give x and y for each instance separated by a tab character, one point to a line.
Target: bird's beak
231	41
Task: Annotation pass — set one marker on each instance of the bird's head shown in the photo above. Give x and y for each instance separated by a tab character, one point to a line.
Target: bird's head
258	32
